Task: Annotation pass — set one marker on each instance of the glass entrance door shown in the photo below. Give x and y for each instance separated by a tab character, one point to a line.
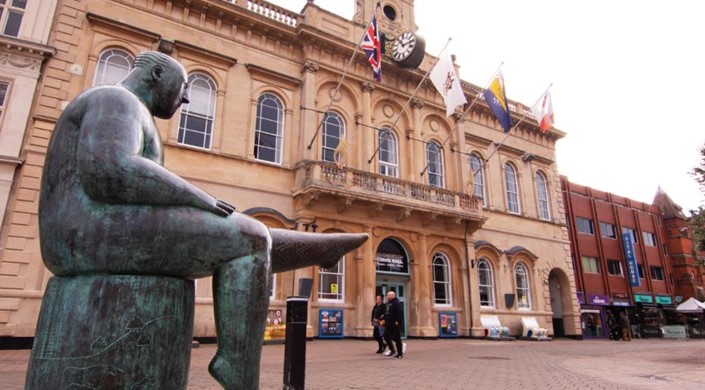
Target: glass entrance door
400	290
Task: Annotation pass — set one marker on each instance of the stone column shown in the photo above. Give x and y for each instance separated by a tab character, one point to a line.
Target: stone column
459	159
365	262
421	315
309	119
368	135
416	133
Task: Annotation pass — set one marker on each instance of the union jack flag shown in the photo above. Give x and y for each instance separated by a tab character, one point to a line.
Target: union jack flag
372	46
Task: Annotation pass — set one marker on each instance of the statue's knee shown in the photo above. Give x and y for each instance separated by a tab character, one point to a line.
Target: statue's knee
258	235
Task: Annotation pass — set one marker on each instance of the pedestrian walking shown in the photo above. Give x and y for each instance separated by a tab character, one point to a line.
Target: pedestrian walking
392	326
626	326
378	312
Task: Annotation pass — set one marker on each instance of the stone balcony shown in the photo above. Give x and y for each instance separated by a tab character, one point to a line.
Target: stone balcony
316	180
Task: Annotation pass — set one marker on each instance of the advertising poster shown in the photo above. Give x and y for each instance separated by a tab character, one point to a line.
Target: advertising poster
330	323
448	323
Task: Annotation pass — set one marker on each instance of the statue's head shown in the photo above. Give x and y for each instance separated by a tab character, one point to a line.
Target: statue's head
167	81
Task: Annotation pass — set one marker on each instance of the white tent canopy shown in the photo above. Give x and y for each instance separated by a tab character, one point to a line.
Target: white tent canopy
692	305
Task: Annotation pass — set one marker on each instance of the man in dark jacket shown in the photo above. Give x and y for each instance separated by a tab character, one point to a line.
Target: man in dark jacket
392	326
377	314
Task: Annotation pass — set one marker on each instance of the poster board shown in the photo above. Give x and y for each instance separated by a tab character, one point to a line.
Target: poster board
448	324
330	323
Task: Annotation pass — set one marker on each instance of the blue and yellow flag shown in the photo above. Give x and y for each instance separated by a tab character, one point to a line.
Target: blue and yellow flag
496	98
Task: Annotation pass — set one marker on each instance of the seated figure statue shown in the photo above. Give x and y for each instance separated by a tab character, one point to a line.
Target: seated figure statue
108	206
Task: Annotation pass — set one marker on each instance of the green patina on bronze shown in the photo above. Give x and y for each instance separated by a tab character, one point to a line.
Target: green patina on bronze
109	209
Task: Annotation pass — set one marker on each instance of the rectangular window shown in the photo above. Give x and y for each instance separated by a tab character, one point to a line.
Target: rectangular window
608	230
591	265
632	232
640	267
665	249
614	267
649	238
585	225
331	282
656	273
11	13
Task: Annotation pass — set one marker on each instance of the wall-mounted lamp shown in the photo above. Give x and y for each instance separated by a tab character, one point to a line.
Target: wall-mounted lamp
526	157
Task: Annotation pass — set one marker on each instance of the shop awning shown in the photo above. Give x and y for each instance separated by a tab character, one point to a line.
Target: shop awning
692	305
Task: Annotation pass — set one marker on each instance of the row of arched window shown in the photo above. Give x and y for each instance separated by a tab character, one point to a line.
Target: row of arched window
196	129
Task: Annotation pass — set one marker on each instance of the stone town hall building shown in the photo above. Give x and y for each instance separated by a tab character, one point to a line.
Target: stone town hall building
260	80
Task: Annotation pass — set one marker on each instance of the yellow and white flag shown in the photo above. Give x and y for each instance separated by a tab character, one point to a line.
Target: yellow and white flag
447	82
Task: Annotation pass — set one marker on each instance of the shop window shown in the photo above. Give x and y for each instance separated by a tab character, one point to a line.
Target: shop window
477	170
486	283
607	230
584	225
591	265
441	280
388	156
434	157
113	66
269	129
656	273
331	282
542	195
614	268
649	238
512	188
196	124
521	277
11	14
333	131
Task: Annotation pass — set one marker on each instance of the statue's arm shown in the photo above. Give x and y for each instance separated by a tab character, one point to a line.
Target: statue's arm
112	169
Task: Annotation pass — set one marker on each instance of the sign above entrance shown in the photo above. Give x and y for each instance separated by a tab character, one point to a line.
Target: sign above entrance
664	300
643	298
391	258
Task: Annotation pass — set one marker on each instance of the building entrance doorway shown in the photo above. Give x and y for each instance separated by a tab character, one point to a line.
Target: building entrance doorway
400	290
554	288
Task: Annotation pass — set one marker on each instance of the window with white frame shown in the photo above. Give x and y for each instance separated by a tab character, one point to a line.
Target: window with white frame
269	129
614	268
434	157
331	282
649	238
584	225
441	280
656	273
196	125
113	66
512	188
542	195
388	155
4	87
632	233
11	14
521	278
476	169
333	131
590	265
485	283
608	230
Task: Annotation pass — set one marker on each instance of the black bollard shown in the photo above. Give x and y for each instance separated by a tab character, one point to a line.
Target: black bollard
295	344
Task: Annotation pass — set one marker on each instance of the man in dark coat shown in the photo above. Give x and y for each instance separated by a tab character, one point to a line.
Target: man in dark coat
392	326
377	316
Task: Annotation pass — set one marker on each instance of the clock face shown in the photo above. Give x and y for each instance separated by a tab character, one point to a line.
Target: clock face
404	45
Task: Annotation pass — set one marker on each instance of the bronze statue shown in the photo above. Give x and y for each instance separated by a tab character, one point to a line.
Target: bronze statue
109	206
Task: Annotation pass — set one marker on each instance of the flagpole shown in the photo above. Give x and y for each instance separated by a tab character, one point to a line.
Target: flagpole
410	99
462	116
345	72
517	124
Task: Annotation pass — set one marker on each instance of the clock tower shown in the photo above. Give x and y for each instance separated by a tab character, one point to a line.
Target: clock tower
396	21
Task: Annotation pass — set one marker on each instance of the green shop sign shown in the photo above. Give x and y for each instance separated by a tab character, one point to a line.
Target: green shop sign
643	298
663	300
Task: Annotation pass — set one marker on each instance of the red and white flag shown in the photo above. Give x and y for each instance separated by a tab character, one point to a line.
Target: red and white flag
543	112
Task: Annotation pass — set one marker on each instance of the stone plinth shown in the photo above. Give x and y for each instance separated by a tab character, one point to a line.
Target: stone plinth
113	332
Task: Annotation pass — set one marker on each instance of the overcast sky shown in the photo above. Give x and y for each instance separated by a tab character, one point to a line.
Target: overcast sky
628	79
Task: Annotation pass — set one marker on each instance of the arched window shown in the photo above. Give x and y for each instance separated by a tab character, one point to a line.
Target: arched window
269	129
333	131
521	276
331	282
476	168
434	157
388	156
196	125
512	188
113	66
486	283
542	195
441	280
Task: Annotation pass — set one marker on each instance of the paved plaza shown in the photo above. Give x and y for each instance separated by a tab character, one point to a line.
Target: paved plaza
462	364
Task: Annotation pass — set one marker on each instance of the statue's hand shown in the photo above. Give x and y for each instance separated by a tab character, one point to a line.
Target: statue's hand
224	208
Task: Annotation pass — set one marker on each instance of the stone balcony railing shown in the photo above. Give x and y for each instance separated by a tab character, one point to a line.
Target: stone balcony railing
268	10
316	178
